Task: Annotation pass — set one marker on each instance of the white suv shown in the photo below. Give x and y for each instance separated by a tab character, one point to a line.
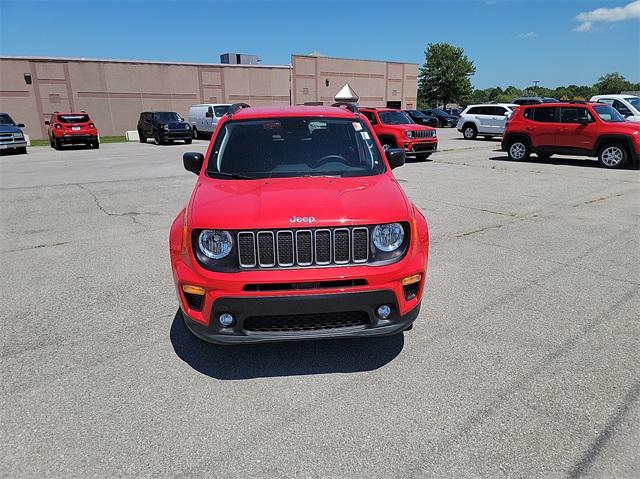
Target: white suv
484	120
627	105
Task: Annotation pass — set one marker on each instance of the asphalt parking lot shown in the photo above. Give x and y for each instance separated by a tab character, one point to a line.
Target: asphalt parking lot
524	361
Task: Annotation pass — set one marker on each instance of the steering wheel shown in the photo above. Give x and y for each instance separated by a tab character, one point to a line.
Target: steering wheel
327	158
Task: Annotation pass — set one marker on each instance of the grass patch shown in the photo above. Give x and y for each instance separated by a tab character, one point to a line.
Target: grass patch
103	139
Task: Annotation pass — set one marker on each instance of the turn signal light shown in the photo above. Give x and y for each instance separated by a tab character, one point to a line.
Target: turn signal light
416	278
187	288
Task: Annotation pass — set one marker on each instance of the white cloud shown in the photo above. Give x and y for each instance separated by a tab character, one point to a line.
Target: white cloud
607	15
527	35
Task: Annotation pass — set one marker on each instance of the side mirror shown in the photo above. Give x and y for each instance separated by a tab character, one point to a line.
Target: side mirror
395	157
193	161
20	125
208	114
47	122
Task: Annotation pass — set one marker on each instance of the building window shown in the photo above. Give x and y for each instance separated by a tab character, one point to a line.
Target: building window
27	78
326	82
305	91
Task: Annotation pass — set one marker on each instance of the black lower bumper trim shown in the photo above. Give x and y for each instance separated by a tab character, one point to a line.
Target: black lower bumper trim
320	306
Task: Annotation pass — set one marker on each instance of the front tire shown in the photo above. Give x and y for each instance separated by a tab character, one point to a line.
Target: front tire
612	156
95	144
187	141
470	132
156	139
518	150
195	133
22	150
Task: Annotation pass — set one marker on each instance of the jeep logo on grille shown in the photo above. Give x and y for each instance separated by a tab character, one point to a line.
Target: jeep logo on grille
302	219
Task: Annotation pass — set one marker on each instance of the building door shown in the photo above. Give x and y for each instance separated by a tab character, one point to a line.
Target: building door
394	104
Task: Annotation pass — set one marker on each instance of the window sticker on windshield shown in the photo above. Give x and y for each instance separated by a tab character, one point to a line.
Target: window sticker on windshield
356	125
365	135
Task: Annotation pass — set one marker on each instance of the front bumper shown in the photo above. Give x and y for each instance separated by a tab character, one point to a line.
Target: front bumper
420	147
13	144
312	306
177	134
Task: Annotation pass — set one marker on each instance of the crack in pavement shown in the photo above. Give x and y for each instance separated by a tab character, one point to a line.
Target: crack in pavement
26	248
130	214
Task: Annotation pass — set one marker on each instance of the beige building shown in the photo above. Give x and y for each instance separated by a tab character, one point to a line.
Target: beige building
114	92
377	83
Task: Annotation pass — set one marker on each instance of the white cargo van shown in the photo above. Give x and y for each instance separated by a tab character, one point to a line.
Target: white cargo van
204	118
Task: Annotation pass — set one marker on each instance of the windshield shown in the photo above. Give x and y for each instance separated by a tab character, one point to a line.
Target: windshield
394	118
419	114
288	147
73	118
220	110
635	102
166	116
5	119
439	111
608	113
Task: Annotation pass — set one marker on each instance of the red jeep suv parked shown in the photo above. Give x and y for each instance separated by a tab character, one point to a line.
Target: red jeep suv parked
72	129
297	229
572	128
396	130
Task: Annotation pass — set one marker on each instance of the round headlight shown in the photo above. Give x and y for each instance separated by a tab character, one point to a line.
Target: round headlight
409	134
166	127
388	237
215	244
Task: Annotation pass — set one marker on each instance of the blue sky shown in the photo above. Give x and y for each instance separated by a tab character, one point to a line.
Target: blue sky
511	42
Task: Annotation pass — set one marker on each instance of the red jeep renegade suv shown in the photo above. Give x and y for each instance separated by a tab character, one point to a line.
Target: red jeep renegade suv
297	229
72	129
396	130
572	128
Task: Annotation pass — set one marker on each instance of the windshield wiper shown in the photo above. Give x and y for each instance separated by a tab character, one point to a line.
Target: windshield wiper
235	176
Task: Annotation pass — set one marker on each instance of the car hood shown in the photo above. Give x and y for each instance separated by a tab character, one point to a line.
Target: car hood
296	202
9	129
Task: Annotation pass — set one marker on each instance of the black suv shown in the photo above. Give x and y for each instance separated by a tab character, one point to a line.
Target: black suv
444	118
163	127
422	118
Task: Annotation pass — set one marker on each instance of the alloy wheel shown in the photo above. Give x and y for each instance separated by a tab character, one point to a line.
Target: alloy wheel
517	151
612	156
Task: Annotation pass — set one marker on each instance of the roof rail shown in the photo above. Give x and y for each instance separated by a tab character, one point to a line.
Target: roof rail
236	107
578	101
352	107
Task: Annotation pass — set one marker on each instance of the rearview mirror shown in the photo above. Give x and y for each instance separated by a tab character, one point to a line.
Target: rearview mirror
193	161
395	157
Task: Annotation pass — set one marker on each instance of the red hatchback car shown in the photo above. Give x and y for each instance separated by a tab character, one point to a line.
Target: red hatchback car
72	129
297	229
572	128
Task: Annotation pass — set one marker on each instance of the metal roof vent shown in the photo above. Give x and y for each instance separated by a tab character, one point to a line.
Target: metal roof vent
346	94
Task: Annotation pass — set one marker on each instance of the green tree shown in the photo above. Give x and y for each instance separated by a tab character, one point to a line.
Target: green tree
612	83
444	77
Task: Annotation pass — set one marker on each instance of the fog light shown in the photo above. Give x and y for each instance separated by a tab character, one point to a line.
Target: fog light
226	319
383	311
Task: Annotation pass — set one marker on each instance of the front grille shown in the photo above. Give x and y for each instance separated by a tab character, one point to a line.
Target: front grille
423	133
6	138
320	247
306	322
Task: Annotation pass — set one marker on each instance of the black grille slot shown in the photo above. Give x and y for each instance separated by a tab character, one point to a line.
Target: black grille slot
360	245
246	249
306	322
285	248
323	247
341	242
304	247
340	283
266	249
